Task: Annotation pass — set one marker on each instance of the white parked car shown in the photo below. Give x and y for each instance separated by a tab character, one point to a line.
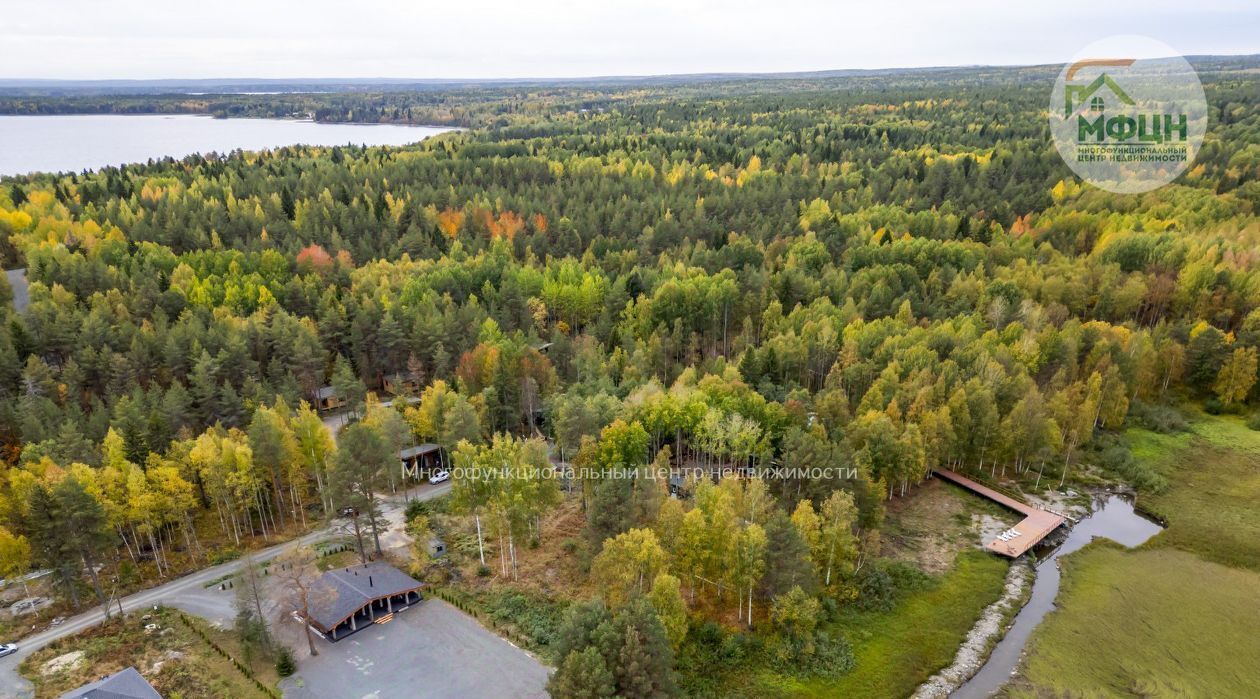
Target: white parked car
7	649
440	476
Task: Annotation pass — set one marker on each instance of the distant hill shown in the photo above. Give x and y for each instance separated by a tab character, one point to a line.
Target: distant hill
244	86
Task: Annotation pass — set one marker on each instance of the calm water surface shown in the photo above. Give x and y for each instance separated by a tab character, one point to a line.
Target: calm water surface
78	142
1113	519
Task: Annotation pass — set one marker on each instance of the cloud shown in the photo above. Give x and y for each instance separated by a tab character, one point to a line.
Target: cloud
557	38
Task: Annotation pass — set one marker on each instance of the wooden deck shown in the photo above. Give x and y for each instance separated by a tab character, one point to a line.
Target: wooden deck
1036	525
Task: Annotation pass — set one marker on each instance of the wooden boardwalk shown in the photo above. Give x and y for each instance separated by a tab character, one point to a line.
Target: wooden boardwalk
1036	525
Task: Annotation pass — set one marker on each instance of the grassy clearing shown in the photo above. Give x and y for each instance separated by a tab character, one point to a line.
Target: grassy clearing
930	528
1154	622
341	559
899	649
896	650
1211	503
1178	616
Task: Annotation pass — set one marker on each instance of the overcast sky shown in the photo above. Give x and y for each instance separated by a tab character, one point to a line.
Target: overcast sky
90	39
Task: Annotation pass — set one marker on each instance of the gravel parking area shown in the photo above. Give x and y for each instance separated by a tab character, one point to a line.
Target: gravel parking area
432	650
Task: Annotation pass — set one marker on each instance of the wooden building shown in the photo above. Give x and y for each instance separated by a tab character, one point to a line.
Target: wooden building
400	384
326	399
345	600
422	459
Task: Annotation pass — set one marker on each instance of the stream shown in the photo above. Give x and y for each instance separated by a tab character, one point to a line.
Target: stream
1114	519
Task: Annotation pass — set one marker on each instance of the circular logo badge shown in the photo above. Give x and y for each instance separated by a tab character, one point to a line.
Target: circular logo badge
1128	114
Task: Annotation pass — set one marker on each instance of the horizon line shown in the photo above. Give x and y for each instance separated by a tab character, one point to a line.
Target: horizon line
622	76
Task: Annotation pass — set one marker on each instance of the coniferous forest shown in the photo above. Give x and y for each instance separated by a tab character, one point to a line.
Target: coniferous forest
863	278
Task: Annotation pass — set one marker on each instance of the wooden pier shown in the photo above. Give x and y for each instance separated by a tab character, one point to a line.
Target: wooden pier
1036	525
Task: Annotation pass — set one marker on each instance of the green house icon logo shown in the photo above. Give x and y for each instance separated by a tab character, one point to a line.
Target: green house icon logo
1077	97
1127	124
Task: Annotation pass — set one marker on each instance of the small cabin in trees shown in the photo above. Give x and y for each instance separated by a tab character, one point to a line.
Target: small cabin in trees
326	399
400	384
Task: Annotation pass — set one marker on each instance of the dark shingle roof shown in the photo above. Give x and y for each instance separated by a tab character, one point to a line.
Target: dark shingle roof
125	684
343	591
417	450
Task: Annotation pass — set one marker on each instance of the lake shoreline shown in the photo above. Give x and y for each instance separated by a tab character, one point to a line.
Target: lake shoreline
303	120
988	631
31	145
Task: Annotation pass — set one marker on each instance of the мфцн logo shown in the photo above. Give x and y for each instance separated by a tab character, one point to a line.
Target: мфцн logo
1128	124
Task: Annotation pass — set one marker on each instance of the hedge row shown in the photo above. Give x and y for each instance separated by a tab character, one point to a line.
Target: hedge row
249	675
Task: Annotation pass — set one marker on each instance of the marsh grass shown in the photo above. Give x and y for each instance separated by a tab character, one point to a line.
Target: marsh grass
1178	616
1152	622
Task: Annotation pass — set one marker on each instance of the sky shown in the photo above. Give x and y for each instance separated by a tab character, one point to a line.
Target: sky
148	39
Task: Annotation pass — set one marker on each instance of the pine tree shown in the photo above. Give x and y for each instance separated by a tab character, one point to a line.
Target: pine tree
347	386
362	457
582	675
788	559
644	663
580	627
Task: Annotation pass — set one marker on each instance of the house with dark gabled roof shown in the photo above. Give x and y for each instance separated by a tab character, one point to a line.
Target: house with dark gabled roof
326	399
125	684
345	600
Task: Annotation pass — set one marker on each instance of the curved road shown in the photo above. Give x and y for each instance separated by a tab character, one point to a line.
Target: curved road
14	686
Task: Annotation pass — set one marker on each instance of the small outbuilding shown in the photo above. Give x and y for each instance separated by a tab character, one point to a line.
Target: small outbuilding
400	384
420	459
345	600
437	547
326	399
124	684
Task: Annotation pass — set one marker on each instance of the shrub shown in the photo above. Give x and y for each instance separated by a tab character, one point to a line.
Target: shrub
832	657
483	571
1213	406
535	617
879	585
224	555
128	574
1118	459
1254	422
416	508
1158	418
285	664
906	577
707	652
876	590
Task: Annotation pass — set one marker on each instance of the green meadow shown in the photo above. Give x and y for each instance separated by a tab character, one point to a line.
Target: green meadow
897	650
1158	622
1179	616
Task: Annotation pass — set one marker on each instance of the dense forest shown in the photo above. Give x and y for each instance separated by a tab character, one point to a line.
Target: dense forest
883	275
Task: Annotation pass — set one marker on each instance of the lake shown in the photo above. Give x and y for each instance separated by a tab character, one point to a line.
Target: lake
78	142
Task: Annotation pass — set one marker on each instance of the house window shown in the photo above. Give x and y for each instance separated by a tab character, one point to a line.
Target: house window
1096	104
